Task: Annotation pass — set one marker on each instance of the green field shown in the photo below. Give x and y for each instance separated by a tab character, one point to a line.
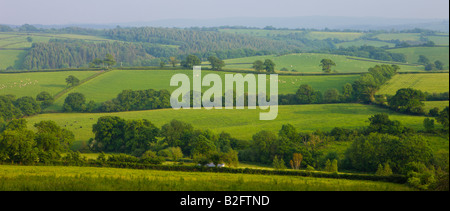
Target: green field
432	83
309	63
432	53
9	57
32	83
439	40
40	178
399	36
358	43
107	86
435	104
241	124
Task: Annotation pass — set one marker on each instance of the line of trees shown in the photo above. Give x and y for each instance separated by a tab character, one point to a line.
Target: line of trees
195	41
175	139
12	108
362	90
20	145
77	53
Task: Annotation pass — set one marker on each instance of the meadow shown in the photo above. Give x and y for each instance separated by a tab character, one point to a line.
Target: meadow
241	124
435	104
358	43
309	63
106	86
399	36
432	53
431	83
32	83
39	178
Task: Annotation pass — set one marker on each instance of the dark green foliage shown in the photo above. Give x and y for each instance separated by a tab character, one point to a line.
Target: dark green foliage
380	123
72	80
65	53
443	118
74	102
331	96
326	65
45	99
196	41
7	109
434	112
370	52
428	124
129	100
307	95
269	66
258	65
191	61
367	152
20	145
28	106
51	137
407	100
423	60
113	134
439	65
368	84
216	63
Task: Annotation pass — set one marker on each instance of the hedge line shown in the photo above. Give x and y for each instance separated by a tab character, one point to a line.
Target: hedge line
393	178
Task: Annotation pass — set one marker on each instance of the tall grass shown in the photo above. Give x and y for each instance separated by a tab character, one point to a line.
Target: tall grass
25	178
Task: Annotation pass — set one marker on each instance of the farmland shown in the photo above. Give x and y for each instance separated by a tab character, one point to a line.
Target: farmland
20	178
309	63
432	53
242	124
31	84
107	86
431	83
321	130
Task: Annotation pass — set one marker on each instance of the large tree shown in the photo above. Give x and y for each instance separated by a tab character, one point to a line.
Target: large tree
407	99
258	65
327	64
269	66
216	63
72	80
191	61
75	102
307	95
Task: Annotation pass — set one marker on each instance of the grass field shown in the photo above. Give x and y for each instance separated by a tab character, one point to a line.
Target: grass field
241	124
31	84
439	40
432	83
107	86
9	57
309	63
435	104
399	36
34	178
358	43
432	53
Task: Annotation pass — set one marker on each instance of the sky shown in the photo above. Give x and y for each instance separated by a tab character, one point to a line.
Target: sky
49	12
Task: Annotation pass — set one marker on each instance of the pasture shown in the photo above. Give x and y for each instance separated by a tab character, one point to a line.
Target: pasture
57	178
432	53
432	83
241	124
309	63
32	83
106	86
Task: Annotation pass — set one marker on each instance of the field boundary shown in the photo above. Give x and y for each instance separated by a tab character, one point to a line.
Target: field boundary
398	179
64	91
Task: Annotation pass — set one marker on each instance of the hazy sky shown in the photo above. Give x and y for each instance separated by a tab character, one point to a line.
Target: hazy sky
113	11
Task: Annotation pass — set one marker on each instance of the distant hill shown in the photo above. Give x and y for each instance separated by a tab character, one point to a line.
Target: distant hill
308	22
